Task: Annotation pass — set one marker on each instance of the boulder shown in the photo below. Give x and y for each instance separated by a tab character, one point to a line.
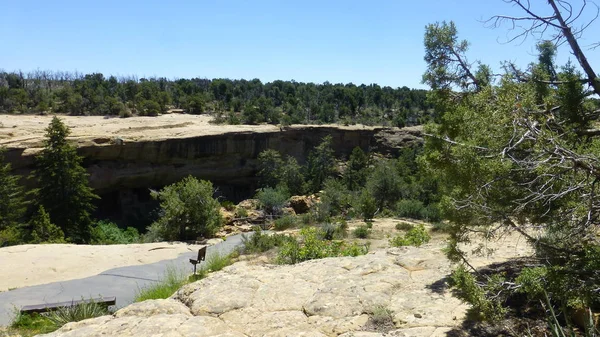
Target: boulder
302	203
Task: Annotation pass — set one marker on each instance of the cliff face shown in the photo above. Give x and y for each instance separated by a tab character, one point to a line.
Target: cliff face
227	159
127	157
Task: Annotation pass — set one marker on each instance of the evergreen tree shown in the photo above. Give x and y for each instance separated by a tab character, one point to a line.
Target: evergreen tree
63	184
355	175
12	204
44	231
320	165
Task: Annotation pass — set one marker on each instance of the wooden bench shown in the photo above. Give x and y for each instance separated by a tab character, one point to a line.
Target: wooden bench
39	308
201	257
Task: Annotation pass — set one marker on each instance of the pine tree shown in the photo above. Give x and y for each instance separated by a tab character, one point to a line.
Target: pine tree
63	184
12	204
44	231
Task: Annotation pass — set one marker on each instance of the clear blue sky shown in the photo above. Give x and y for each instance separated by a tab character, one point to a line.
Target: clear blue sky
310	41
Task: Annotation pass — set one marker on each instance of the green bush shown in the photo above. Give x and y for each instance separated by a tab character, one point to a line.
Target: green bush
216	261
272	200
241	212
336	195
404	226
188	210
108	233
165	287
467	288
408	208
311	245
43	231
228	205
285	222
367	205
361	232
260	242
414	237
385	184
335	231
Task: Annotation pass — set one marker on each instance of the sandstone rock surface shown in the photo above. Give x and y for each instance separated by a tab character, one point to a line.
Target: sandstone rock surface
327	297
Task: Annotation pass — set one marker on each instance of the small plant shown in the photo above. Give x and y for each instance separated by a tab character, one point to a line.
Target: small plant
369	224
362	232
285	222
335	231
408	208
381	318
228	205
165	287
404	226
307	219
414	237
76	313
32	324
241	212
260	242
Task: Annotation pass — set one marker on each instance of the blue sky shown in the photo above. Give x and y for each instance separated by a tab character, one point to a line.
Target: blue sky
309	41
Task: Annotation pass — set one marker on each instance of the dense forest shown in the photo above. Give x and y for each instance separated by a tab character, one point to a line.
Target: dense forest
231	101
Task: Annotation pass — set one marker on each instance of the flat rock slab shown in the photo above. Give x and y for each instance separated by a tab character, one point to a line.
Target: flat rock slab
327	297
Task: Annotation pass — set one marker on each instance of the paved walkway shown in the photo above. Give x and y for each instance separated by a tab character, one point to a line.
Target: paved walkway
121	282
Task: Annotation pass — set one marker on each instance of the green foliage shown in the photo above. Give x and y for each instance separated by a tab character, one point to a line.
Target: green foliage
361	232
32	324
260	242
336	196
108	233
76	313
312	246
381	316
508	153
468	289
188	211
272	200
285	222
216	261
320	165
355	175
404	226
241	212
415	236
384	184
12	203
275	172
409	208
228	205
172	280
44	231
335	231
367	205
63	184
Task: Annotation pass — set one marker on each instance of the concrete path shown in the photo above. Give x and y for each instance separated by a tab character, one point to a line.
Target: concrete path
121	282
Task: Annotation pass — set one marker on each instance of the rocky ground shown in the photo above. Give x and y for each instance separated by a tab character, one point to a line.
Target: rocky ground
388	292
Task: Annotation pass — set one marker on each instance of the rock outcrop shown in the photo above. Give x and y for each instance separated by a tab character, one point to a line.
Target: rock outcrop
328	297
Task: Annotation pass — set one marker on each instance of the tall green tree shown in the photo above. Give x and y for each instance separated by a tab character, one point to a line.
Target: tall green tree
509	164
64	191
355	174
12	204
320	164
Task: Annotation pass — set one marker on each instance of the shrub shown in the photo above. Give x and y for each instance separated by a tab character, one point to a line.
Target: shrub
188	210
31	324
336	195
335	231
260	242
312	246
228	205
414	237
385	184
468	289
76	313
165	287
367	205
409	208
216	261
272	200
361	232
108	233
404	226
241	212
381	317
285	222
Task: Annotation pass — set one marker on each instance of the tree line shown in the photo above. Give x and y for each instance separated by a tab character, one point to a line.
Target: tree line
233	101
